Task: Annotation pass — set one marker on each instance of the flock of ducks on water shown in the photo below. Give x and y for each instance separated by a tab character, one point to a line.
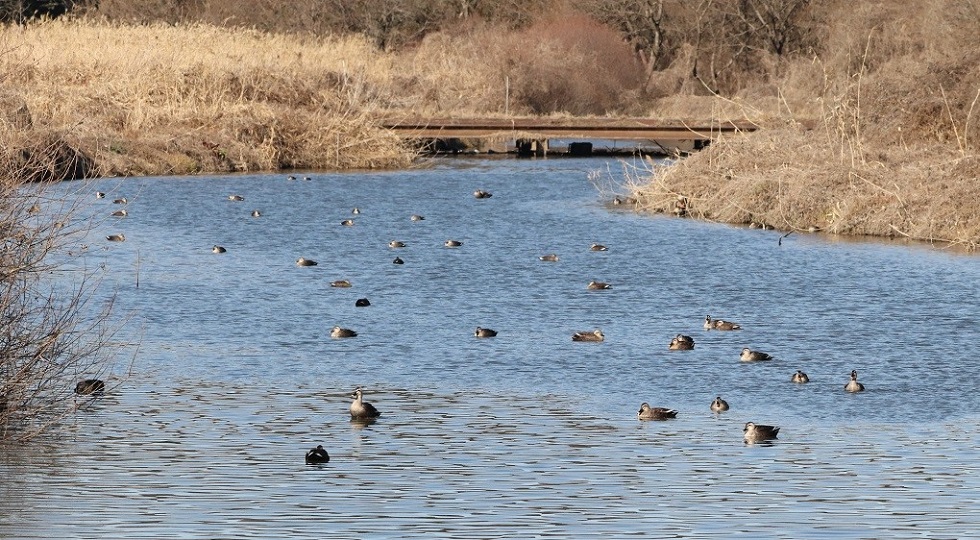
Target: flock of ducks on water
364	412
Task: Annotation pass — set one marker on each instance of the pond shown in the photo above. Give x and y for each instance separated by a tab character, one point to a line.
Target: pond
234	374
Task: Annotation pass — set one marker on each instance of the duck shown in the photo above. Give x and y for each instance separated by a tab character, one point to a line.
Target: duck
290	177
680	342
89	387
757	432
120	213
748	355
341	283
256	213
800	378
719	324
236	198
598	247
116	237
398	260
121	200
362	302
218	249
853	385
417	217
99	195
480	194
719	405
317	455
484	332
598	286
551	257
647	412
396	244
360	409
595	335
305	262
355	211
453	243
680	206
347	223
338	332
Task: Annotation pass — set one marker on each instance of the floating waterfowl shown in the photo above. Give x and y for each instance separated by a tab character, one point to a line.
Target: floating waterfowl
756	432
719	405
719	324
598	247
597	286
551	257
480	194
256	213
647	412
120	213
800	378
748	355
99	195
218	249
338	332
595	335
484	332
853	385
680	342
355	211
360	409
305	262
416	217
680	206
89	387
317	456
453	243
362	302
396	244
236	198
347	223
397	260
116	237
341	283
123	200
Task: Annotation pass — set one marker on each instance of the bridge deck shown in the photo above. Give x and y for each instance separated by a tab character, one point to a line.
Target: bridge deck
591	128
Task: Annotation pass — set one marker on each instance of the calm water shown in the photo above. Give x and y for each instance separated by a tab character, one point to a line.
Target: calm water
524	435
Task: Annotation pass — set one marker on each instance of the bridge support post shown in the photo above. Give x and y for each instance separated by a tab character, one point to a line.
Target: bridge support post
532	147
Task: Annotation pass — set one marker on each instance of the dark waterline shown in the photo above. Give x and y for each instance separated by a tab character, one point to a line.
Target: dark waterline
525	434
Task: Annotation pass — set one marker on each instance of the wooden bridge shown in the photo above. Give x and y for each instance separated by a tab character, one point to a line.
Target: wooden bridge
531	135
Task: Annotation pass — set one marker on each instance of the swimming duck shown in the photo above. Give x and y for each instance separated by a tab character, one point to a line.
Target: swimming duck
719	324
120	213
122	200
347	223
480	194
256	213
416	217
361	410
341	283
598	247
236	198
484	332
800	378
99	195
355	211
89	387
595	335
290	177
681	343
305	262
753	432
396	244
853	385
218	249
398	260
338	332
116	237
719	405
597	286
748	355
453	243
317	455
647	412
362	302
551	257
